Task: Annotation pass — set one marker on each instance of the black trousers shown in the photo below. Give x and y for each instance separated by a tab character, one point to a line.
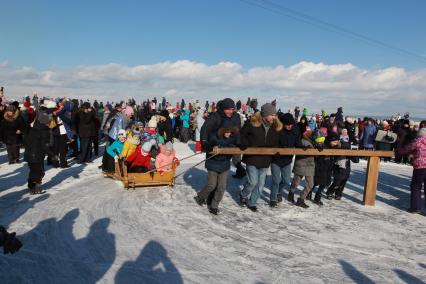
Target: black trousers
85	148
337	187
36	174
95	142
12	153
60	148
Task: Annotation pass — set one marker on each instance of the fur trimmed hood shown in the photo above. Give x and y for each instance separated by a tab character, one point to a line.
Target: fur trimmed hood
256	121
14	116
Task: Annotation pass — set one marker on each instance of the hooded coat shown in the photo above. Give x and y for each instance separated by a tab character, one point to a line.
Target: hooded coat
255	134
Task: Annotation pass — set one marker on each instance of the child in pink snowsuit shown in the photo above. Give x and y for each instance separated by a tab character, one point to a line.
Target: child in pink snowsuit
164	160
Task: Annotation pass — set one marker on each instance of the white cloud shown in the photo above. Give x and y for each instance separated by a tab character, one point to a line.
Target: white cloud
316	85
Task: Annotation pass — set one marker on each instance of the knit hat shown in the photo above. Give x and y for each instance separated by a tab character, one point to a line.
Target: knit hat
169	146
268	109
164	113
422	132
318	136
146	147
11	108
152	122
227	103
121	132
287	119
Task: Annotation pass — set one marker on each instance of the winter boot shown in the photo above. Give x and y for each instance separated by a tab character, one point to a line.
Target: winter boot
279	198
309	196
240	172
199	201
273	204
301	203
214	211
252	208
290	197
317	199
243	201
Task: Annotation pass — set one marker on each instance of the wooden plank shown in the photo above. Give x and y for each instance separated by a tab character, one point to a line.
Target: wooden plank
298	151
371	180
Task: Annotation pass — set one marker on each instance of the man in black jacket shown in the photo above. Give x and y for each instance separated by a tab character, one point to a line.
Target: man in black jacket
85	119
263	130
281	165
37	145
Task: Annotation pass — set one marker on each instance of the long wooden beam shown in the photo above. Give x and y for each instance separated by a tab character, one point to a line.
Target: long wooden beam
299	151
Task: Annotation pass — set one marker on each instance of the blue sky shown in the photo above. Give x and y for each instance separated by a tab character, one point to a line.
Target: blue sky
58	39
68	33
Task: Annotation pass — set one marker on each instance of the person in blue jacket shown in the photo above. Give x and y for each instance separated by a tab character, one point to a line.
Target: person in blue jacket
217	169
113	152
368	135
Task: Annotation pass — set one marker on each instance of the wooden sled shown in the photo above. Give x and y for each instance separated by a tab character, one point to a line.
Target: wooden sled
133	180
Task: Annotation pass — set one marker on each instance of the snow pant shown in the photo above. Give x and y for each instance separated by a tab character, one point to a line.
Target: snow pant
215	188
337	187
256	178
309	182
184	134
281	178
417	182
85	148
108	163
36	174
138	169
12	153
60	148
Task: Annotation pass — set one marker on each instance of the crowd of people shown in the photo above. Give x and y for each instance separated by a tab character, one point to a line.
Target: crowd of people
142	136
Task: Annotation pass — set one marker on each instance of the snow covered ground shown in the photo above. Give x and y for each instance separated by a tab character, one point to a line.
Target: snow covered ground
88	229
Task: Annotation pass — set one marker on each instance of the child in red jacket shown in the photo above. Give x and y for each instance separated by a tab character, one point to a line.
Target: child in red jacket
140	160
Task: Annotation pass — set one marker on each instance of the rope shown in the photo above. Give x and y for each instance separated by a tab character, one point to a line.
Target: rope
170	164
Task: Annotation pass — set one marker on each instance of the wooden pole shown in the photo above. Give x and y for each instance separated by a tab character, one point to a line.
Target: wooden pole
299	151
371	180
372	175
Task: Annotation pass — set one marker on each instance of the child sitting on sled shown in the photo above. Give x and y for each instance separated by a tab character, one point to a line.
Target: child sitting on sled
165	159
113	152
140	160
132	142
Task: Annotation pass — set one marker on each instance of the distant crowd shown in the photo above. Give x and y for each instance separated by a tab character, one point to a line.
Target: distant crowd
142	134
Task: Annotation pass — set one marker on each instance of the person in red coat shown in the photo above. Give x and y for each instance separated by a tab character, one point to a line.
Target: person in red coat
140	160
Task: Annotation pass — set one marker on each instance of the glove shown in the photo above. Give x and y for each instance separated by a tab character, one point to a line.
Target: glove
243	147
9	241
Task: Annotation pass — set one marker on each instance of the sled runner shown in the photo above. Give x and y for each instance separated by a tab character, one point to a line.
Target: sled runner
133	180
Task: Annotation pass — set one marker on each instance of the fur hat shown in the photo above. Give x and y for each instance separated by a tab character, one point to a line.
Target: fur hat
287	119
268	109
152	122
146	147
